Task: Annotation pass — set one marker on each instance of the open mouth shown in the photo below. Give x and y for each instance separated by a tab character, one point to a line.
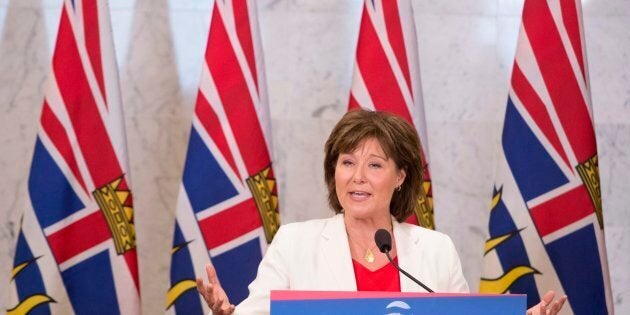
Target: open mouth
360	194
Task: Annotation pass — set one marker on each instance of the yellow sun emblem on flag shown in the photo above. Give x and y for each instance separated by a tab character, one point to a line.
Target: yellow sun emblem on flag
112	200
262	186
424	208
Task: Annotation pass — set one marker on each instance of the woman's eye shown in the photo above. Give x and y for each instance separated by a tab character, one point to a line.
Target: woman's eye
375	165
346	162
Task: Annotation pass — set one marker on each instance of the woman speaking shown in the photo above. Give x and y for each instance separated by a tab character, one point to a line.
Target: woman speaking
373	172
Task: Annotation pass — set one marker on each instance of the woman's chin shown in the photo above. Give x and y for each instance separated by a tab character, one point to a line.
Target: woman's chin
361	213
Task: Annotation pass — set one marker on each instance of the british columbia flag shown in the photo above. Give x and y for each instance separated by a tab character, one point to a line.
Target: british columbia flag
386	77
76	249
546	224
227	211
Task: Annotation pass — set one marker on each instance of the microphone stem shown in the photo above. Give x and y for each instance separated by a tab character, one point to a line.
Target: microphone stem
406	274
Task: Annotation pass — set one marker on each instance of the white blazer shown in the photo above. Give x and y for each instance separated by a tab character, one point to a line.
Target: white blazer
315	255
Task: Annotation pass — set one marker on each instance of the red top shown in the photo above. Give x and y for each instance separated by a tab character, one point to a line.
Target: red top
384	279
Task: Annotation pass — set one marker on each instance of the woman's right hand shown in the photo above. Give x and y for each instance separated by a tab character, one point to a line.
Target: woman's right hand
213	293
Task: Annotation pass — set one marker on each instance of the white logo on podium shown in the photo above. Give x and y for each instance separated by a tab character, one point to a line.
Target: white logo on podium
397	308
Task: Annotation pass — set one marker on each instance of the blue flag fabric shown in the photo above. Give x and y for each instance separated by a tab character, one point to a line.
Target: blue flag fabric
227	210
546	223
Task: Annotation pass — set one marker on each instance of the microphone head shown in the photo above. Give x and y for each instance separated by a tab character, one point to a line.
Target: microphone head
383	240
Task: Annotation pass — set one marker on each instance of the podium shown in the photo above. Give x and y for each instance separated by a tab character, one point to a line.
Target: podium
340	302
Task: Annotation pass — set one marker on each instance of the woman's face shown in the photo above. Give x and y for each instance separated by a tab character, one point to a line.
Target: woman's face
365	180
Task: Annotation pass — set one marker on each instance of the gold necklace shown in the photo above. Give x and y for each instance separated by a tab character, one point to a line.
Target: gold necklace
368	256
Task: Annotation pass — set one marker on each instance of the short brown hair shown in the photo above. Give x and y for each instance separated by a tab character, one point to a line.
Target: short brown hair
398	139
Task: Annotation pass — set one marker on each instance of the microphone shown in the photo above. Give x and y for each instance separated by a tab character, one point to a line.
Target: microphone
384	242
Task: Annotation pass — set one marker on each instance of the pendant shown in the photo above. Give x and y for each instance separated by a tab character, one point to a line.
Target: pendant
368	256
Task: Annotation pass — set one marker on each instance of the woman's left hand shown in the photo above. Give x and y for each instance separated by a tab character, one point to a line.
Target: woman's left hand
547	305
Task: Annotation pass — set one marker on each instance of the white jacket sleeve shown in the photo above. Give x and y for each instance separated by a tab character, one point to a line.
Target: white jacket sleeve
272	274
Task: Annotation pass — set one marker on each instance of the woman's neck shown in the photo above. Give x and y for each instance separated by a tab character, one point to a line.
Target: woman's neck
365	228
363	248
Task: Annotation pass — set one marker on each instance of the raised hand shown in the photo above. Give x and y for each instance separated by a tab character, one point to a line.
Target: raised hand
547	305
213	293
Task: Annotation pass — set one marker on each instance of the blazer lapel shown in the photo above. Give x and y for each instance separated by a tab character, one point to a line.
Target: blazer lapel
336	251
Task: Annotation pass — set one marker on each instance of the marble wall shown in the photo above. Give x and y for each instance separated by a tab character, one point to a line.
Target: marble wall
466	53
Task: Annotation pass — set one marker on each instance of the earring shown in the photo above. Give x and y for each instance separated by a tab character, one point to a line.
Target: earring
399	188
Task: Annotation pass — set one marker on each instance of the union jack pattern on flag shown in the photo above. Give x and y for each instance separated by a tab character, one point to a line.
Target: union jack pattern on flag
546	225
76	249
227	211
386	77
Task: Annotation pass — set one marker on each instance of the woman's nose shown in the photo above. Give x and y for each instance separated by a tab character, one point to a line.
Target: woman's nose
358	176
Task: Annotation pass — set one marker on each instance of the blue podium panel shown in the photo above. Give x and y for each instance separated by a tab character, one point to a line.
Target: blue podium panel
330	302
